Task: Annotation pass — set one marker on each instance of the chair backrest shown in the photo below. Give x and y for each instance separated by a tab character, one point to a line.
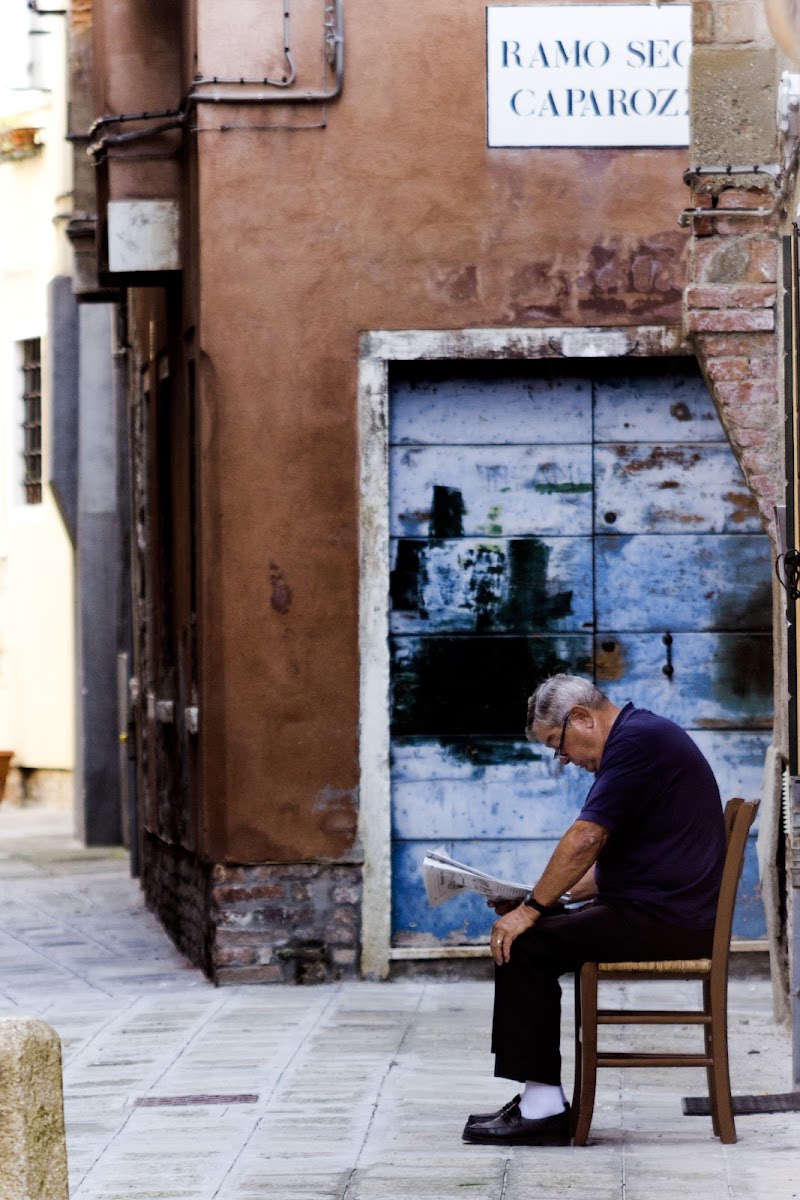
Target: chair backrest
739	816
729	815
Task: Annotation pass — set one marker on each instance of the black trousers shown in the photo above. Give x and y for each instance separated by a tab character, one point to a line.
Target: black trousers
527	995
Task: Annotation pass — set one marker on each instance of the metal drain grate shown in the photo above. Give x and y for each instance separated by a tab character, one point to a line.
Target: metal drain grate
744	1106
180	1101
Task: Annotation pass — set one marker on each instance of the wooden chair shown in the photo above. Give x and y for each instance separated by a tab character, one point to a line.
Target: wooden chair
711	972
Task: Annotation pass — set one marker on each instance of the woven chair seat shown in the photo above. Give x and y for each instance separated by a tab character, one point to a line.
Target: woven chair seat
683	966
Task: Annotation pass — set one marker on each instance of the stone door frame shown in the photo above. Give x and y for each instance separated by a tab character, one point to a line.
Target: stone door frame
377	351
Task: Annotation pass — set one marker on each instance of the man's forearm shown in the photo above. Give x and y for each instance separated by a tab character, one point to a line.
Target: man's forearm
572	858
585	888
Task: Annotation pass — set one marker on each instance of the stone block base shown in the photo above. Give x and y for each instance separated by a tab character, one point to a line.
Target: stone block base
33	1153
264	923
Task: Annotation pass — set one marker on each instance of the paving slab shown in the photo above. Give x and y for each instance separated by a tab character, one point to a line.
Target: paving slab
356	1091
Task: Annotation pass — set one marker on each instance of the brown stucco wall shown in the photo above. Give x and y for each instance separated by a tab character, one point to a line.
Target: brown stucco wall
396	215
303	226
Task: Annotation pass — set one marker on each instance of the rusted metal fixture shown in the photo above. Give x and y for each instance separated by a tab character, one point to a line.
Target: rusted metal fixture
689	213
780	175
772	169
285	80
206	90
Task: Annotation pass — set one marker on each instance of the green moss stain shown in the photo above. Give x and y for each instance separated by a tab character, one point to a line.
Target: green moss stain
492	527
561	489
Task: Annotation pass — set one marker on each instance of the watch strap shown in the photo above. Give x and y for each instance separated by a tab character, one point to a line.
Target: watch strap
532	902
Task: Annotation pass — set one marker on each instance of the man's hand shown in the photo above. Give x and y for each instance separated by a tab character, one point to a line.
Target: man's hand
572	859
503	906
507	928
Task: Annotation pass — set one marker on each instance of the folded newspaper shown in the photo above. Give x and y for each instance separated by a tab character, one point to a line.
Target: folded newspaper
445	877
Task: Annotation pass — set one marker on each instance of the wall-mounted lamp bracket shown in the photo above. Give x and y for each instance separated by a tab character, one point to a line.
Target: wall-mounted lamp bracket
787	569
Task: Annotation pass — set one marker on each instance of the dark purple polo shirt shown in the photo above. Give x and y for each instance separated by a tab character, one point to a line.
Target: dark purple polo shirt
656	795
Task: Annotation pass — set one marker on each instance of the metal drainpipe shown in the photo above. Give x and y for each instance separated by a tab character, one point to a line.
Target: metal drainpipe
770	170
285	82
247	91
198	94
689	213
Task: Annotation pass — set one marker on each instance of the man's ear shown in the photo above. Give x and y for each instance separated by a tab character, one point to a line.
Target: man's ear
581	715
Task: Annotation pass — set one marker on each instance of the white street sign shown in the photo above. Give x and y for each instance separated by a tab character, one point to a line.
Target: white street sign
588	75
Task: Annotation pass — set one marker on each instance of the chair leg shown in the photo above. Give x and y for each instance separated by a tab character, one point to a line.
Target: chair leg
709	1048
576	1087
588	1002
722	1079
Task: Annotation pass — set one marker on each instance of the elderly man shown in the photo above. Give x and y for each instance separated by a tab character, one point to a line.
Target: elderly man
647	849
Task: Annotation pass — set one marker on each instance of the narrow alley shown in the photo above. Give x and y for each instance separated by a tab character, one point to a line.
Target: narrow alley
176	1090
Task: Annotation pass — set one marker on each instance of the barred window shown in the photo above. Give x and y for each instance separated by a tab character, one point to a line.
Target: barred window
31	362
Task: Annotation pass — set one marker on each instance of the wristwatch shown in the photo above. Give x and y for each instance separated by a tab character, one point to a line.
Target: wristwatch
532	902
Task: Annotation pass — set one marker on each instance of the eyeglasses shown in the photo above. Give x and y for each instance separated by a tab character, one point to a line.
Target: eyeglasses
559	752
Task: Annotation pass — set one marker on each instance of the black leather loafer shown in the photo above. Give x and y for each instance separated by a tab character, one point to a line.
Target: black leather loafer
512	1129
482	1118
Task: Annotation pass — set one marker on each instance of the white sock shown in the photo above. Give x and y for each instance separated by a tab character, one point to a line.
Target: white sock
541	1100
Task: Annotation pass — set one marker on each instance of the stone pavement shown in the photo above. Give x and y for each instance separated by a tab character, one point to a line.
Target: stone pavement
348	1092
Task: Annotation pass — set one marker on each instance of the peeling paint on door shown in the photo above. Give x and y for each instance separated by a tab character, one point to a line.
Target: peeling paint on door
469	585
546	520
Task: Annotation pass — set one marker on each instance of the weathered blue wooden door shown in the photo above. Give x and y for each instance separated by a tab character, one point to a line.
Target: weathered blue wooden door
552	517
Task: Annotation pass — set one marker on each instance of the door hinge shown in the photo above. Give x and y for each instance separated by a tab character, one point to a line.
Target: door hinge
165	711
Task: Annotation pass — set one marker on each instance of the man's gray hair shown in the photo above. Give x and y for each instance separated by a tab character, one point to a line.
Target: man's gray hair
553	699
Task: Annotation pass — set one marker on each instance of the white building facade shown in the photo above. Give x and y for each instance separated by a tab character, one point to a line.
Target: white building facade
37	695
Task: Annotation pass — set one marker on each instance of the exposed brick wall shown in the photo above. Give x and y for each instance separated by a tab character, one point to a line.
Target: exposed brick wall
731	321
285	924
177	887
295	923
730	304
